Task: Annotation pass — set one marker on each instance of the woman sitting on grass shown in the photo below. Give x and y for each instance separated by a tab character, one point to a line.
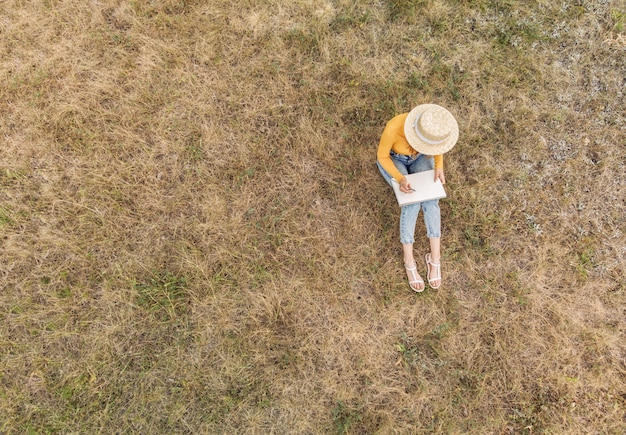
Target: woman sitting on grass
415	142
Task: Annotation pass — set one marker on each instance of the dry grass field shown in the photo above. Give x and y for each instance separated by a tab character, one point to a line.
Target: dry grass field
194	237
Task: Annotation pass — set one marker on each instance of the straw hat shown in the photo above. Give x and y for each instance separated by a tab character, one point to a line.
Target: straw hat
430	129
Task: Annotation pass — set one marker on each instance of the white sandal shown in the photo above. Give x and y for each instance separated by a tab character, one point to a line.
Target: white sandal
437	277
414	278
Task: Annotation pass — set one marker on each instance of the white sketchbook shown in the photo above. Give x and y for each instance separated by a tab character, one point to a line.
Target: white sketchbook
426	188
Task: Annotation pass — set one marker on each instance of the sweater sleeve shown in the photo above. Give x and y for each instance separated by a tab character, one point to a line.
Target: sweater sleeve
439	161
384	156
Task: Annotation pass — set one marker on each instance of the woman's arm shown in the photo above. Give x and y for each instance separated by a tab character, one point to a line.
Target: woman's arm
439	174
383	155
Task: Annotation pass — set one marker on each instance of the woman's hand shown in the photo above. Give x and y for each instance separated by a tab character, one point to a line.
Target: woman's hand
440	176
405	187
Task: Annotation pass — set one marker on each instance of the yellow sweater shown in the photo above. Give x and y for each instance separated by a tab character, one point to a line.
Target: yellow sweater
393	139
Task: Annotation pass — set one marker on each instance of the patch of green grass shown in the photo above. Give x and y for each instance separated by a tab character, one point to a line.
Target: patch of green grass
408	351
441	330
64	292
344	417
405	10
163	294
619	20
441	81
497	6
244	176
418	81
350	18
72	388
5	217
12	174
514	286
304	40
194	149
585	262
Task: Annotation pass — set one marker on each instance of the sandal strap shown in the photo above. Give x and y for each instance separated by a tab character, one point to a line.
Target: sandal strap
433	264
437	265
414	275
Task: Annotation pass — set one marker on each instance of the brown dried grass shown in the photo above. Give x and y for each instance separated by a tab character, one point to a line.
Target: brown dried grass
194	237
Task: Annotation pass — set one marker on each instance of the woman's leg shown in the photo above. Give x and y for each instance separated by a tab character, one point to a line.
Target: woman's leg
408	219
434	266
415	280
432	220
408	213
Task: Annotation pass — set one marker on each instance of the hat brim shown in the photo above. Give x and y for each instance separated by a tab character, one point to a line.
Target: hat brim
428	148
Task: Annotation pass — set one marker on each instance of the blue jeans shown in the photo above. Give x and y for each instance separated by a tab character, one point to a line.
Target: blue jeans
408	214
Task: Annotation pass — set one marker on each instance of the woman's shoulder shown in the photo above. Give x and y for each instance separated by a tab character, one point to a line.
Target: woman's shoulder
397	121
